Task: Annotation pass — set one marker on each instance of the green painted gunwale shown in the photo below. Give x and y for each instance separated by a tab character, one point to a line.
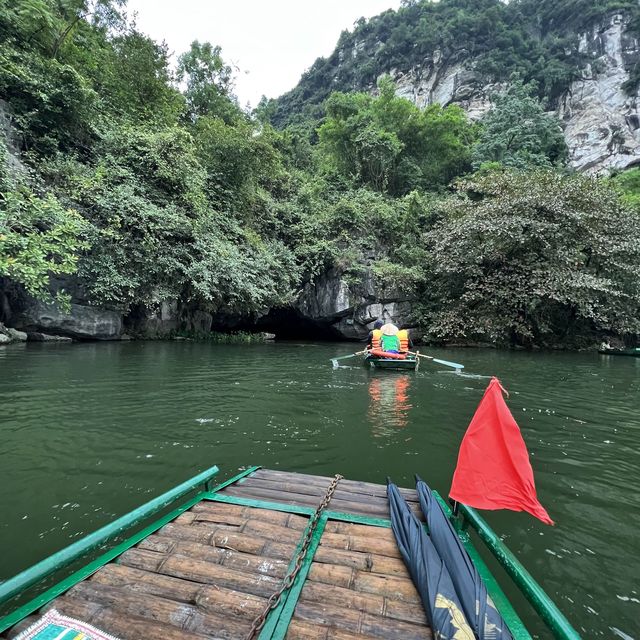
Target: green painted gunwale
278	620
632	352
409	364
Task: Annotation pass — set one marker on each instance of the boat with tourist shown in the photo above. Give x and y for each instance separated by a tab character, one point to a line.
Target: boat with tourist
634	352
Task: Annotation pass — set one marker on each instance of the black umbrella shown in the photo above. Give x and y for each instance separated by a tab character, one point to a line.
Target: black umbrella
478	607
428	572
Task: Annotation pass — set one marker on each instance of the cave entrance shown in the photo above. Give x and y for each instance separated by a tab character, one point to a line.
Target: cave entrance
288	324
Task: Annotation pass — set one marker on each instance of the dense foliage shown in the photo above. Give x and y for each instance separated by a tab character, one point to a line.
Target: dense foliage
169	185
38	238
537	258
390	145
152	186
627	184
537	39
518	133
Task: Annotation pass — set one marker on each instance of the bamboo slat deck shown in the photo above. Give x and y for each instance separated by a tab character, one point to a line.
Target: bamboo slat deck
209	572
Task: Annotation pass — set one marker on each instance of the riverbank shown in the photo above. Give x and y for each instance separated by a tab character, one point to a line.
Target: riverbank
10	335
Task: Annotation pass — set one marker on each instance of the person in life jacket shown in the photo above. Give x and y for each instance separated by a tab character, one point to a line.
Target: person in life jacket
405	340
390	341
375	336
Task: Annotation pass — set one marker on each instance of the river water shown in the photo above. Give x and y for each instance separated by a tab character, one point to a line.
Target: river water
90	431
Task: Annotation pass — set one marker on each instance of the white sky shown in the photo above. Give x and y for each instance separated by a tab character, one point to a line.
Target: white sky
271	41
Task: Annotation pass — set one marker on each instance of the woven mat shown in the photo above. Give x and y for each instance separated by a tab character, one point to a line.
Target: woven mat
55	626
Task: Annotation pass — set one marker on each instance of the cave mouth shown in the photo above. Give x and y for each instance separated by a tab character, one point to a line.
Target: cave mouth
288	324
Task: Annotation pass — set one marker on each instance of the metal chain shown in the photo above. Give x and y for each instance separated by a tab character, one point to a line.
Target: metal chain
287	581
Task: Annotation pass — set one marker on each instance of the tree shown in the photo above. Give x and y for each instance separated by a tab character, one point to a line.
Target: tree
38	238
135	80
48	26
533	258
627	184
518	133
209	82
389	144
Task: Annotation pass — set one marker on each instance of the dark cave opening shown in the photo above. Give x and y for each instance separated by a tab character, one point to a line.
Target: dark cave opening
288	324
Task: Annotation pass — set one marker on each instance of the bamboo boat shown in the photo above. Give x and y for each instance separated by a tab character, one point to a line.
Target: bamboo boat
410	363
634	352
208	565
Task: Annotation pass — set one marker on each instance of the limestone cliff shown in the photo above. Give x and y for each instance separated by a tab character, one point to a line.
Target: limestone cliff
349	311
601	122
584	56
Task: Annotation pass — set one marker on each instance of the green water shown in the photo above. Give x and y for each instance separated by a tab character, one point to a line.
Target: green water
91	430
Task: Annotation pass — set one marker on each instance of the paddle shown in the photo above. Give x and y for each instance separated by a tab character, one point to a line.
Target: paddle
334	361
455	365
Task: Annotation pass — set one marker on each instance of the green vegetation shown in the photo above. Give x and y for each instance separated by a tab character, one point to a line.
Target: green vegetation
533	258
390	145
517	133
235	337
38	238
150	194
109	136
627	184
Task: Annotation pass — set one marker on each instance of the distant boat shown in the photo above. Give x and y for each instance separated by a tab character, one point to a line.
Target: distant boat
634	352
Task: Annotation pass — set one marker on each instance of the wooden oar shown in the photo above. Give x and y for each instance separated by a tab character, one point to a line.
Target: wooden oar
455	365
334	361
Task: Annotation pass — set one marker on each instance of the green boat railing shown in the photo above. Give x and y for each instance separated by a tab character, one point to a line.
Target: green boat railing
73	552
468	517
533	592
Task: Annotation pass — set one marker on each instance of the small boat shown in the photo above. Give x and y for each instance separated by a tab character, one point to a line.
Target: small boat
206	565
399	361
634	352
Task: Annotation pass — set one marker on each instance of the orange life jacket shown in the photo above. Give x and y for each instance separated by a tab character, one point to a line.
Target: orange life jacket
376	339
403	336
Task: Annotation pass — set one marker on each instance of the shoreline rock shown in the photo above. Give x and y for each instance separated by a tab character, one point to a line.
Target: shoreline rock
9	335
82	321
36	336
15	335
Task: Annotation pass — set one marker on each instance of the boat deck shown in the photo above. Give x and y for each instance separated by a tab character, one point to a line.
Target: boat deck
210	571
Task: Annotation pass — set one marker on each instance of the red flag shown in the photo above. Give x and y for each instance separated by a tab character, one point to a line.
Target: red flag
493	470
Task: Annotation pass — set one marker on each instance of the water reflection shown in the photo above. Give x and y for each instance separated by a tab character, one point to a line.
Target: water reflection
389	404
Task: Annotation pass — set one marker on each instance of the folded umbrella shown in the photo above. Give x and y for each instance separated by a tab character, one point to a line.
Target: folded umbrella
428	572
478	607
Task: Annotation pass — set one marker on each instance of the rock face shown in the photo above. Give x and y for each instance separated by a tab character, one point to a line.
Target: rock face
439	81
601	122
37	336
11	140
9	334
83	322
331	303
153	323
15	335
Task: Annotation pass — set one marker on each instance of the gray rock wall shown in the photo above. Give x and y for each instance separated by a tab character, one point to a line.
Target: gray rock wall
601	122
82	322
350	311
